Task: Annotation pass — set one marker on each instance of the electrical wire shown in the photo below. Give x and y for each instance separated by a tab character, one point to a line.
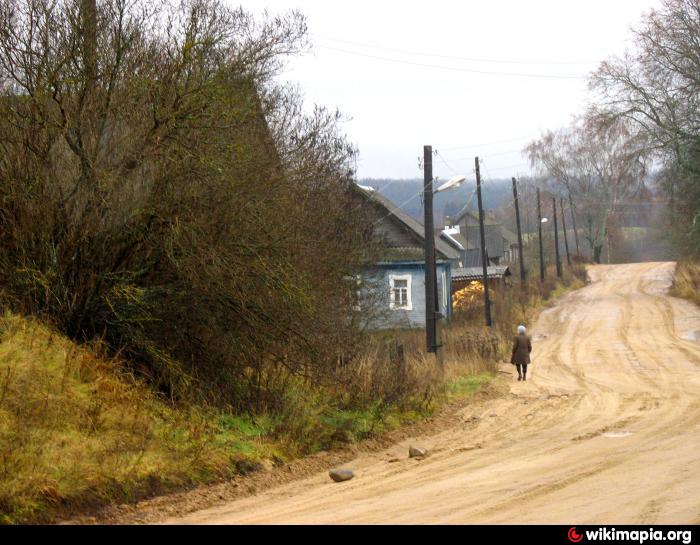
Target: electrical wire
452	68
488	143
471	158
452	57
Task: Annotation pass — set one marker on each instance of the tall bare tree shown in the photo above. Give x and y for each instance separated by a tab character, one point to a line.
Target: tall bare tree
657	87
601	161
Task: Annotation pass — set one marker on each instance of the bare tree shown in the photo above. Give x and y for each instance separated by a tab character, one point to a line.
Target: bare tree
657	87
600	161
160	190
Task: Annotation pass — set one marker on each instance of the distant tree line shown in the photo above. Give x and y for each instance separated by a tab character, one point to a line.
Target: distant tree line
406	193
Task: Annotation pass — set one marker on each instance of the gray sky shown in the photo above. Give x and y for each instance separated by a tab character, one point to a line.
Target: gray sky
398	105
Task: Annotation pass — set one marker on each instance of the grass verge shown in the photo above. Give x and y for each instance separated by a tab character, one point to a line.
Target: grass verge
686	281
78	433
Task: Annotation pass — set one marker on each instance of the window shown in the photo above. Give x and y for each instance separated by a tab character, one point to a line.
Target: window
400	296
443	277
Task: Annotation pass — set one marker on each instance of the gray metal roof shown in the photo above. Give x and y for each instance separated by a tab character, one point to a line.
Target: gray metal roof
472	258
477	273
493	236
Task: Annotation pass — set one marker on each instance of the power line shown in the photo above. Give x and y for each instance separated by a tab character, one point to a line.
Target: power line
468	59
458	159
451	68
399	207
445	162
488	143
513	166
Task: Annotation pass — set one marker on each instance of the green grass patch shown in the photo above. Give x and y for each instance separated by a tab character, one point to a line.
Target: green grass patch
466	386
76	431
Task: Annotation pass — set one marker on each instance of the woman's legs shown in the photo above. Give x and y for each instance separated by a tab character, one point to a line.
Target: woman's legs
520	373
525	371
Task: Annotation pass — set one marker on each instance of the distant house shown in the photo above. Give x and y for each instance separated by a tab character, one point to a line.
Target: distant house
501	243
393	289
496	274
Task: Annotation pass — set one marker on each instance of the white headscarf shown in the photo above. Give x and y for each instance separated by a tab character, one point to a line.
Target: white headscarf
521	330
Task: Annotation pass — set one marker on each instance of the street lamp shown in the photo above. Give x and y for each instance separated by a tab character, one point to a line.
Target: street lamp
453	183
431	300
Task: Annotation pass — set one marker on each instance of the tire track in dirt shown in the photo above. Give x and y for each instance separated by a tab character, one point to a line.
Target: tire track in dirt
605	430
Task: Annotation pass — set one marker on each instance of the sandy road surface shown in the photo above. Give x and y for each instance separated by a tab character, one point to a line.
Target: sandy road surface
606	431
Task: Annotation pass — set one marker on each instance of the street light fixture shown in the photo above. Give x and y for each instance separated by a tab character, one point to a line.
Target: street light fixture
454	182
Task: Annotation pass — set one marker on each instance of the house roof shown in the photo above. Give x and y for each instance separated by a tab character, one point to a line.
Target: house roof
492	234
473	217
472	258
477	273
393	212
452	240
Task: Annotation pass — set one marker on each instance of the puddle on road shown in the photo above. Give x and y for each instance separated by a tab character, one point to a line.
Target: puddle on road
616	434
691	336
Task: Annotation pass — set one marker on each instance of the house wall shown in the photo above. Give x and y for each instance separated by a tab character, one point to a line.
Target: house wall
376	296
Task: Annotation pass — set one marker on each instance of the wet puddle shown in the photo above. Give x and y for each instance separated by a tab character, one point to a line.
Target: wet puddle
691	336
617	434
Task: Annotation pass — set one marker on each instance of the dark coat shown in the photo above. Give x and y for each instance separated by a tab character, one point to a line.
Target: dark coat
522	346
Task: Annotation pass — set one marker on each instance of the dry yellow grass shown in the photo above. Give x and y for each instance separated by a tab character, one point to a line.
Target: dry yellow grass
686	281
75	432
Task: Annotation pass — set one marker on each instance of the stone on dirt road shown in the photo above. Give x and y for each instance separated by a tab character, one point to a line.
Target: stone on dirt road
417	452
340	475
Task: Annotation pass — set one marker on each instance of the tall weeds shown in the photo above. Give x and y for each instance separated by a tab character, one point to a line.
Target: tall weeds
686	281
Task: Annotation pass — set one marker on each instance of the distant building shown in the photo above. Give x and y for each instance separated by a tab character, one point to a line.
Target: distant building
496	274
393	289
501	243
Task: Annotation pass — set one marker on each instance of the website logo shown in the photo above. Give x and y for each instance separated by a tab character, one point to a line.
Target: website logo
574	536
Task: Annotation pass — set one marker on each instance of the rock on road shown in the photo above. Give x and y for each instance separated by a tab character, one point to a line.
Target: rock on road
606	430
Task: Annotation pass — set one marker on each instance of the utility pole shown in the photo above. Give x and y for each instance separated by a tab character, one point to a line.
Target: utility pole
573	218
539	230
556	237
484	253
429	229
520	234
566	238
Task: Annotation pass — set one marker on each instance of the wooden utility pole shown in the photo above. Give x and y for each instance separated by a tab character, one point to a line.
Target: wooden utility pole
556	237
429	230
573	219
520	233
484	253
539	230
566	238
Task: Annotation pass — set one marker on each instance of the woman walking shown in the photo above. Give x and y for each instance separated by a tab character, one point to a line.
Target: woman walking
522	346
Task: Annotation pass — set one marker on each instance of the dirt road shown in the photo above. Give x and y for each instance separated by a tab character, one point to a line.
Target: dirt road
607	430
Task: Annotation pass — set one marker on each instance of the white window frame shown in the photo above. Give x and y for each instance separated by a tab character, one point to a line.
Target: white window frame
443	278
409	299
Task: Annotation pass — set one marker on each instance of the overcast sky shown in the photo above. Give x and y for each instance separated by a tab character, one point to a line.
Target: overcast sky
369	60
